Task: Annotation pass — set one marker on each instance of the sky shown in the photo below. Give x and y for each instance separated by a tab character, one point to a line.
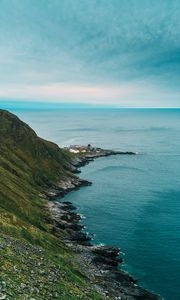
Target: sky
121	53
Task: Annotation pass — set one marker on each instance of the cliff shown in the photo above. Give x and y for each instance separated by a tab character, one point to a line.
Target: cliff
44	253
34	262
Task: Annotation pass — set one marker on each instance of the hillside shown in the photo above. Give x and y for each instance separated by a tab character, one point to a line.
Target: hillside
28	164
35	264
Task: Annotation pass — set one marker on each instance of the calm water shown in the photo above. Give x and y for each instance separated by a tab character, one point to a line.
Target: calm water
134	201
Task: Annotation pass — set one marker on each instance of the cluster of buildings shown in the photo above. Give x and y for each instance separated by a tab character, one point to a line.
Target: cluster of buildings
83	149
80	149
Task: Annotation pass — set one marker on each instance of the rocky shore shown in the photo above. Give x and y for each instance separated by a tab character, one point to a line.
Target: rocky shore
89	156
100	264
61	188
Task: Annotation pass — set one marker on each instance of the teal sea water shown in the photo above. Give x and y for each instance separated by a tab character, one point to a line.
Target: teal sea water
134	201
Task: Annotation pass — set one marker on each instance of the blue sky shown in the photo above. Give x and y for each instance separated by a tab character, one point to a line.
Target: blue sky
123	53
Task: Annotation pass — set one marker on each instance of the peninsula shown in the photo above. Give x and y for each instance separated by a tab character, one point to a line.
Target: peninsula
45	253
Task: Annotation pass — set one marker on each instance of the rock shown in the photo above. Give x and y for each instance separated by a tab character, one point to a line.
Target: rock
75	226
98	263
107	251
122	276
63	187
68	206
80	237
107	255
114	262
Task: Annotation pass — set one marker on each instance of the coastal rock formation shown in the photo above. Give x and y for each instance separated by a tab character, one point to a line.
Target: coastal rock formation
94	153
98	263
62	187
35	262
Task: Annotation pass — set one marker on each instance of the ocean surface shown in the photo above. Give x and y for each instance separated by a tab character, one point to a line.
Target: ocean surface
134	202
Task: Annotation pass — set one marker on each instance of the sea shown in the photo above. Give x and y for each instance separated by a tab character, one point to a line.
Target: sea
134	202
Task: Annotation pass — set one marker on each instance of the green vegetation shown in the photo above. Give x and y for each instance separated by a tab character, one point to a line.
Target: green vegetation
34	263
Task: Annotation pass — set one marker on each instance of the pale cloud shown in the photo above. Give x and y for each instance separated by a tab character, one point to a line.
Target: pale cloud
124	95
69	92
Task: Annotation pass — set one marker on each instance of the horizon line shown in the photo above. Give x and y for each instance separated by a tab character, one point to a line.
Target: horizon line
47	105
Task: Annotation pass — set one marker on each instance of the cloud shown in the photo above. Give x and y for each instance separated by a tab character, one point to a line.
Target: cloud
68	92
97	51
124	95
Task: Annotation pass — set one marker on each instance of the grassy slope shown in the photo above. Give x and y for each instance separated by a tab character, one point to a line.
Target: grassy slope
28	165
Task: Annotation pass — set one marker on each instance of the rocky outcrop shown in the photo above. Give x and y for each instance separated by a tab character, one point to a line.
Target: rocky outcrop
61	188
85	158
107	255
99	263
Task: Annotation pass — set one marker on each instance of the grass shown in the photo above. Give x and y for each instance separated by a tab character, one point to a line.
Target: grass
34	262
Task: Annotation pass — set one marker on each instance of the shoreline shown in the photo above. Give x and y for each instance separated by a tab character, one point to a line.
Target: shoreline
100	264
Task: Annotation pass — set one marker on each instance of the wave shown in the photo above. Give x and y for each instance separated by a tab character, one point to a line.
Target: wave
79	129
70	141
113	168
143	129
